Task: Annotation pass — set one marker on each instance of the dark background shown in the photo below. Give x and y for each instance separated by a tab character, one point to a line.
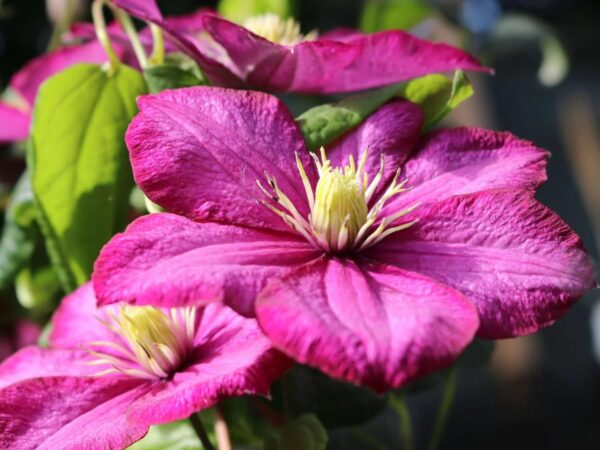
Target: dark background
541	391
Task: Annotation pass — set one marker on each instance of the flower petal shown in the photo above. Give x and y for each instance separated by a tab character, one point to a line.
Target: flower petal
391	132
465	160
34	362
67	412
370	324
77	321
232	358
28	80
14	124
515	259
168	260
200	151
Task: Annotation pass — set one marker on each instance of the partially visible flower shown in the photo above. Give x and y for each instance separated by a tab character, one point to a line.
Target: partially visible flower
15	116
272	54
376	261
21	333
112	372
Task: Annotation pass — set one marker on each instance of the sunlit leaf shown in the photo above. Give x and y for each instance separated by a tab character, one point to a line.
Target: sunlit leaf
78	163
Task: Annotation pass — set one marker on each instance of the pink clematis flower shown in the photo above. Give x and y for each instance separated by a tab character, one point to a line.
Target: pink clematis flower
272	54
375	261
112	372
15	117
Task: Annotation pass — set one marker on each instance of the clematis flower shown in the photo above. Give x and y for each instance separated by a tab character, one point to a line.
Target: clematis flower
270	53
376	260
15	116
112	372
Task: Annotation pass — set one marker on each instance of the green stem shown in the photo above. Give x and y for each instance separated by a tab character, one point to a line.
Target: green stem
158	47
444	410
62	25
129	28
398	402
201	432
100	27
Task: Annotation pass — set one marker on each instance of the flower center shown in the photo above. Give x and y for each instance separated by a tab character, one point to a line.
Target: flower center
156	343
340	218
275	29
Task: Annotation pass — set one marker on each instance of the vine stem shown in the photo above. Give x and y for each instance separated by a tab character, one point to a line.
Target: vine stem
158	49
444	409
129	28
398	402
102	34
201	432
222	431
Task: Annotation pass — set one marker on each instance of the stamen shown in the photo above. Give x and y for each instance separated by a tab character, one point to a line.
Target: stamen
275	29
340	218
158	342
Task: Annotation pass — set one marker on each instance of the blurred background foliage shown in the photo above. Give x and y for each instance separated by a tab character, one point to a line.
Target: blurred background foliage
541	391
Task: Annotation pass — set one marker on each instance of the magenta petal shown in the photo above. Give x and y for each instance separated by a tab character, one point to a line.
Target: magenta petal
168	260
143	9
69	413
466	160
515	259
35	362
232	358
391	132
327	66
14	124
366	323
76	321
200	151
28	80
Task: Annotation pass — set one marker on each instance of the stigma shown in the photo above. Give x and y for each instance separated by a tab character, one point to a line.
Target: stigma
344	215
275	29
155	343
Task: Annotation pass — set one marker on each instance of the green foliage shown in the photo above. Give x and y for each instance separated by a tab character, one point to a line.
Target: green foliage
380	15
324	123
303	433
19	234
334	402
178	71
173	436
240	10
437	95
78	163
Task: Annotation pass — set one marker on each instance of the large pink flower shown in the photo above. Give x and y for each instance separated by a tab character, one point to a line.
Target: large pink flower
113	372
271	54
346	268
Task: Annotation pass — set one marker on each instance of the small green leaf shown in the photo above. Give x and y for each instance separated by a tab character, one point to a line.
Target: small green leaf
324	123
174	436
240	10
20	232
37	287
477	354
380	15
78	163
437	95
178	71
334	402
303	433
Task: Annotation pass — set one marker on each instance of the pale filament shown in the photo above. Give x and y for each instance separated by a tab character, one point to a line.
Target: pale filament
275	29
340	218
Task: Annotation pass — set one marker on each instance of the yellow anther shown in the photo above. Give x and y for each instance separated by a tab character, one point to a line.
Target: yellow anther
275	29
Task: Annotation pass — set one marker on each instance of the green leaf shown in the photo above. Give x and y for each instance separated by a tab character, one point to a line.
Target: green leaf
477	354
20	232
240	10
380	15
437	95
178	71
303	433
324	123
174	436
334	402
79	165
